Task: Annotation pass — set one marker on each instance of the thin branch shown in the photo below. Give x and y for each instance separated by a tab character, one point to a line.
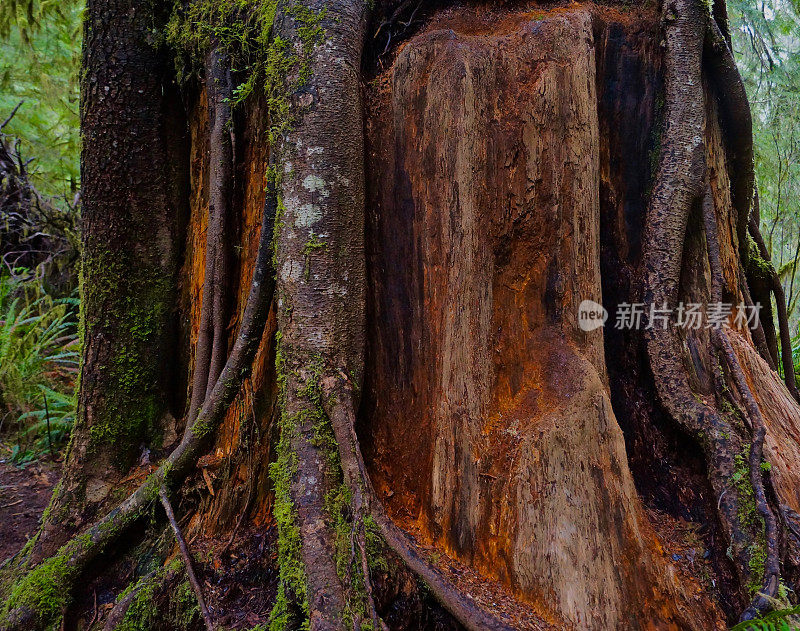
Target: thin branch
187	559
783	318
10	116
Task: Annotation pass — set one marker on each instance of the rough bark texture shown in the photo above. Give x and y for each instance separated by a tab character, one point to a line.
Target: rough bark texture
534	476
133	198
487	418
320	280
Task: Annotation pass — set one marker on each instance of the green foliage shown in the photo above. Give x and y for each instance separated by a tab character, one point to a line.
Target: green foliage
39	358
242	29
768	55
780	620
39	62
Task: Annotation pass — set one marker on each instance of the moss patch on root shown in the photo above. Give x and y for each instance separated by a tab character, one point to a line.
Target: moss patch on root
144	612
292	597
337	504
750	517
45	590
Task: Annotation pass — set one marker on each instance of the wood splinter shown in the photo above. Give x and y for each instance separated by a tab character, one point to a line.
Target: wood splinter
187	559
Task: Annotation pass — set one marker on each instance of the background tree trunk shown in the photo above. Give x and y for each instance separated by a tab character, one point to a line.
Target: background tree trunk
133	221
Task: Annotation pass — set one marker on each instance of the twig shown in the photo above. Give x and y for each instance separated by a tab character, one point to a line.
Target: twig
94	615
187	558
10	116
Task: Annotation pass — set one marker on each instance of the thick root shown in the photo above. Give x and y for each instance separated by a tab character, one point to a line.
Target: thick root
210	348
679	183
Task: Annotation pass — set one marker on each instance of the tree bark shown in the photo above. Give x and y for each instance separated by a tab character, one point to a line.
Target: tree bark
132	223
441	416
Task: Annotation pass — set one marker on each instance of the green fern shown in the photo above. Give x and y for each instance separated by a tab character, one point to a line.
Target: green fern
780	620
38	364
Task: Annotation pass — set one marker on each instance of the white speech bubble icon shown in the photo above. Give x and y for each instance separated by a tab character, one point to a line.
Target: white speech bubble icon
591	315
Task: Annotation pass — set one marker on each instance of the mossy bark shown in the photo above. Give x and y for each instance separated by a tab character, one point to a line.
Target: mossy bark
132	221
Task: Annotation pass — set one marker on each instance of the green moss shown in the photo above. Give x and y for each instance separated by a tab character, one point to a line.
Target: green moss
239	28
749	517
758	268
45	590
202	427
748	514
184	610
338	500
292	597
376	546
757	553
274	182
243	30
129	308
144	611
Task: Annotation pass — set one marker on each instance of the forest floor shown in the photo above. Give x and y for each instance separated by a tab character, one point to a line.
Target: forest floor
24	494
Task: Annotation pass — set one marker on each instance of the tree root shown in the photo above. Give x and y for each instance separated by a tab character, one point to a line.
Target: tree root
210	348
187	559
121	608
338	393
783	317
771	579
320	324
74	557
679	183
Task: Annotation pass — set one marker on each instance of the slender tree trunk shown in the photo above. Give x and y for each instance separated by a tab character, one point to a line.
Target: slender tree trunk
132	216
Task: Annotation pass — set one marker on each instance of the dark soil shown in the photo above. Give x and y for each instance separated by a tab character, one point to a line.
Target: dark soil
24	494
